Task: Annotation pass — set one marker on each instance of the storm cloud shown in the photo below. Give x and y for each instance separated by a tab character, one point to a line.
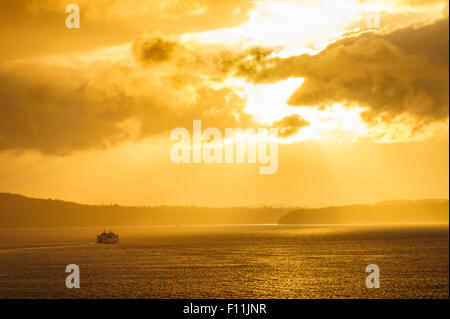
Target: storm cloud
402	72
55	112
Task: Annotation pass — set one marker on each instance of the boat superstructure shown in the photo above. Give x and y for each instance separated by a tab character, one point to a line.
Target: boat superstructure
107	238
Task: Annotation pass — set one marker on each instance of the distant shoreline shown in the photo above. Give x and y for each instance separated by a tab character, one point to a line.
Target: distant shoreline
17	211
405	224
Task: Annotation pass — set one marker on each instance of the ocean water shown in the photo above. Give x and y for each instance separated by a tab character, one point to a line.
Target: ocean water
245	261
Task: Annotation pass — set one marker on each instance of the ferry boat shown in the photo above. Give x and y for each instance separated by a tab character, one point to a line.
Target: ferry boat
108	238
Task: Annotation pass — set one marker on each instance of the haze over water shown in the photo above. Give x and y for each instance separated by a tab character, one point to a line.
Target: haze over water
244	261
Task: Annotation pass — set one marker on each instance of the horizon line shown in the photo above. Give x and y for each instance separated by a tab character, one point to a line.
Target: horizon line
253	206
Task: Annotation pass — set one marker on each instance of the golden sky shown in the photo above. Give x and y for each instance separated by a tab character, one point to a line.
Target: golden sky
362	110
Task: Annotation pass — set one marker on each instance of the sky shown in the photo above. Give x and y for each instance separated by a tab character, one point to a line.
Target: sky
358	90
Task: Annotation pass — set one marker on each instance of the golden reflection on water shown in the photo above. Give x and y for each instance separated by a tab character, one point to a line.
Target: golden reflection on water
246	261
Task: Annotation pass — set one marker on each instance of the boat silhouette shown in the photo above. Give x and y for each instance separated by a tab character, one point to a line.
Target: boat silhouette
108	238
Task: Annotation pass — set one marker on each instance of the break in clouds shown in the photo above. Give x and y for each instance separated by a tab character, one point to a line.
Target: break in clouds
60	108
404	72
61	105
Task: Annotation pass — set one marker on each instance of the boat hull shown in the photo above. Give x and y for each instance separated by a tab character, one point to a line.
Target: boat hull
107	238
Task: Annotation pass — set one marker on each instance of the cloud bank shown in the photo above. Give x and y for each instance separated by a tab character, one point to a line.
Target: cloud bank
404	72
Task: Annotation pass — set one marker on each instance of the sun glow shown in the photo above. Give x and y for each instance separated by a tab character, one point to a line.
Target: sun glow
293	28
288	25
268	103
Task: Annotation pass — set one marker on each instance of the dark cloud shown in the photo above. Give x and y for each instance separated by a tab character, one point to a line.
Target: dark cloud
290	125
54	117
403	72
210	61
62	109
152	50
55	111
